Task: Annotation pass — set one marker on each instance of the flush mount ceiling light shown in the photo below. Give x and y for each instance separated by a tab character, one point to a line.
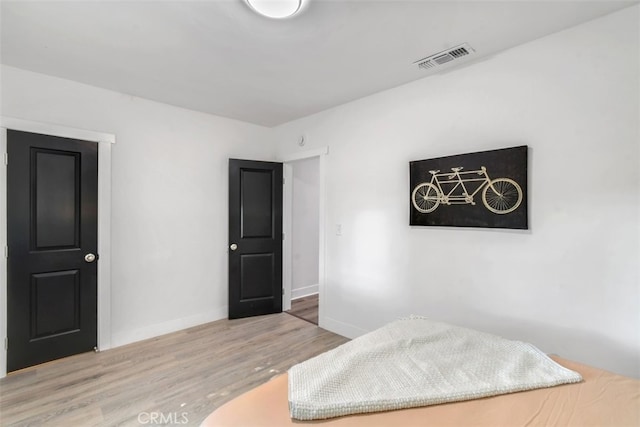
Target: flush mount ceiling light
275	8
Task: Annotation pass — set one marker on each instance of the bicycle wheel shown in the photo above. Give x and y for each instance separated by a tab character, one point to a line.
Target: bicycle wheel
502	195
425	197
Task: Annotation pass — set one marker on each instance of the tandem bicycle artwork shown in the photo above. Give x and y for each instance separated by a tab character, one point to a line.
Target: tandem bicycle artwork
483	189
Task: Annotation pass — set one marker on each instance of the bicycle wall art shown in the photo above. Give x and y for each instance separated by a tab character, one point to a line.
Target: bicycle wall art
483	189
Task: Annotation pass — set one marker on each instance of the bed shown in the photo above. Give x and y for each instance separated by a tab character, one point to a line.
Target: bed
591	396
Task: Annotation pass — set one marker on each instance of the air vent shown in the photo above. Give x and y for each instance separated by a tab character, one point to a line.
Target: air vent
445	56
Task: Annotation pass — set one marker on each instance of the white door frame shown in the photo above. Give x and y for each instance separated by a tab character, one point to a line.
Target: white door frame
104	140
287	219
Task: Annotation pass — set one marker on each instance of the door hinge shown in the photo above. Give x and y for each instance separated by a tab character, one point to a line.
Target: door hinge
6	251
283	180
6	343
6	158
282	291
282	236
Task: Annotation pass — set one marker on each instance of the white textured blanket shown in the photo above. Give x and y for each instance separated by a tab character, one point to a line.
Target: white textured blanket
416	362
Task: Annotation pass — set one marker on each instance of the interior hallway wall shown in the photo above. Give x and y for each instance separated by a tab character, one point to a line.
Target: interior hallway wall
305	227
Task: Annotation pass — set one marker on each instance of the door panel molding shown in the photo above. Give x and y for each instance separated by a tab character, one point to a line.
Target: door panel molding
104	141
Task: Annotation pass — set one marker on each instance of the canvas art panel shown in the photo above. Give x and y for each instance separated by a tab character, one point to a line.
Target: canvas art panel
482	189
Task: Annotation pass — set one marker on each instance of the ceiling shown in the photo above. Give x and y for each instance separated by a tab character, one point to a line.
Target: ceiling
219	57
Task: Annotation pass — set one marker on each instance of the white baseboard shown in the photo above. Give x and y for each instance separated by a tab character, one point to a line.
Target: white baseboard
304	292
341	328
128	337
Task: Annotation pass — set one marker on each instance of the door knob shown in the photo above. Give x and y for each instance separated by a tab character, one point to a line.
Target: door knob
233	247
90	257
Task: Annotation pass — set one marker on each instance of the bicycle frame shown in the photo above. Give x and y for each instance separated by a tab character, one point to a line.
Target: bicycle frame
455	177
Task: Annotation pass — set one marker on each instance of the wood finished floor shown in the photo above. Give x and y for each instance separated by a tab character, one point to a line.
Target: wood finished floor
305	308
193	371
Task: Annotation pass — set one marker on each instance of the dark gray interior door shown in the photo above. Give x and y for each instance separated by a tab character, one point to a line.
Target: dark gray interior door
255	238
52	235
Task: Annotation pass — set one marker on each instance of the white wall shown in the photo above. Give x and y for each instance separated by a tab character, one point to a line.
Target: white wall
571	283
169	196
305	243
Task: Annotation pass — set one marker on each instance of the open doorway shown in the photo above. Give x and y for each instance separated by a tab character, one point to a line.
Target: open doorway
305	238
304	242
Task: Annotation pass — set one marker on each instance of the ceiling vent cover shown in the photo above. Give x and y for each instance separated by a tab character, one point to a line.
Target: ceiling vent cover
445	56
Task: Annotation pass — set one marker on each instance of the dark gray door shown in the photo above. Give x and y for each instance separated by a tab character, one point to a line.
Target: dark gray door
52	226
255	238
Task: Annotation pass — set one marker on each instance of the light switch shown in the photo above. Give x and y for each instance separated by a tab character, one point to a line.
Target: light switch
338	229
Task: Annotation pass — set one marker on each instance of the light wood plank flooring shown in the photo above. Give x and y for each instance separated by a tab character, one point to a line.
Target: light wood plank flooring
192	372
306	308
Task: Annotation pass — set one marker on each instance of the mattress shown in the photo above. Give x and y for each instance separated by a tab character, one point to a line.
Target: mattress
602	399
